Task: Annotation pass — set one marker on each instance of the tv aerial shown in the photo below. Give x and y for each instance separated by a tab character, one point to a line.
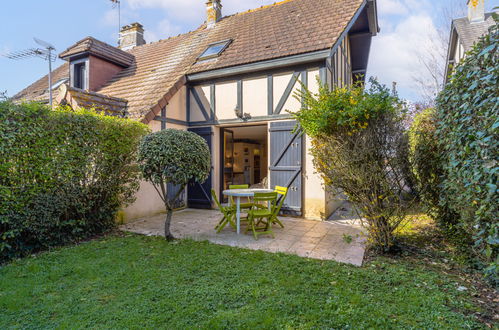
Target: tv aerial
45	52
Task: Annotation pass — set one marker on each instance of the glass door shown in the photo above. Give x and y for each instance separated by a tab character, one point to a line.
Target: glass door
228	157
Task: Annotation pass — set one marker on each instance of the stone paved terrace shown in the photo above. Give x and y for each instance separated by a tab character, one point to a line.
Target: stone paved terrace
306	238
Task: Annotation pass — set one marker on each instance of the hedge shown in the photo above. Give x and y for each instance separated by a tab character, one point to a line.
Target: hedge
64	174
468	127
425	158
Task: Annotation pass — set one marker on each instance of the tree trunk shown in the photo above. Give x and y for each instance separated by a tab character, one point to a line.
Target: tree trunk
168	221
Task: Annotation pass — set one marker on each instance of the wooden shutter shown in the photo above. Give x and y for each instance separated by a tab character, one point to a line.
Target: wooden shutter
286	163
199	195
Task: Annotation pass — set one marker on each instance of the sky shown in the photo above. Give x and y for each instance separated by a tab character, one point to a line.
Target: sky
407	29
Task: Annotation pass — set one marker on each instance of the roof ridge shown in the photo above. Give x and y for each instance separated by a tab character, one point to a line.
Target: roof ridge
275	4
203	25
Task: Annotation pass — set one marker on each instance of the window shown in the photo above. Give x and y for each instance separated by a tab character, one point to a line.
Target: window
214	50
80	75
59	83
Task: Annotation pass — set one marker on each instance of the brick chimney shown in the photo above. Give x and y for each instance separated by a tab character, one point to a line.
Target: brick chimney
476	11
131	35
213	12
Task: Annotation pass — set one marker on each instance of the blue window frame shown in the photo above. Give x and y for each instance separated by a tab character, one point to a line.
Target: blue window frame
214	50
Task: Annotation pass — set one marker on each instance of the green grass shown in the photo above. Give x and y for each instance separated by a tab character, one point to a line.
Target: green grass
145	282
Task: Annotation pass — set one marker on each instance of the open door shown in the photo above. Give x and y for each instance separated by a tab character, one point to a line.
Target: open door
227	161
199	194
286	163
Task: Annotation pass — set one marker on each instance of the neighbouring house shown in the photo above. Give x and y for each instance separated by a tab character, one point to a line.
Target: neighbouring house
231	81
465	31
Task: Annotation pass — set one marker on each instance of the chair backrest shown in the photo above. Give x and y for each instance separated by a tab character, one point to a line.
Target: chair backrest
239	186
214	195
270	197
283	191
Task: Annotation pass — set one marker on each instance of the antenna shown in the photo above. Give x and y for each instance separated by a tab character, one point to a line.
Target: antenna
117	4
45	54
44	44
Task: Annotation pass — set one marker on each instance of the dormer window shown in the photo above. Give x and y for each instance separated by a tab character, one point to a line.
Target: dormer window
79	73
214	50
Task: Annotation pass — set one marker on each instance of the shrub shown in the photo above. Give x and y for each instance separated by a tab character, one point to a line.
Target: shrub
63	175
425	157
358	146
468	127
173	157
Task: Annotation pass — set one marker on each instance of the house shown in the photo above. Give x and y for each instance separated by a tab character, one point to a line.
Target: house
465	31
231	81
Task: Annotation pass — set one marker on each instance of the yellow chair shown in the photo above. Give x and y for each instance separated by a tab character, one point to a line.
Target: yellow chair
283	192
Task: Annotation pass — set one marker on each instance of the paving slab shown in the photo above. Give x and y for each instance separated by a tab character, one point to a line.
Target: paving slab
342	241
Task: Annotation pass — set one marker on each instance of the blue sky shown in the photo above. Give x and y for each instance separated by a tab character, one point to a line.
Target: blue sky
407	28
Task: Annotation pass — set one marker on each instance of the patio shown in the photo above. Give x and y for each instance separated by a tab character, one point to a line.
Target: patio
342	241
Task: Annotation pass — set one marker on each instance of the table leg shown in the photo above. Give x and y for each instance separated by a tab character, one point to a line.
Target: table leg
238	214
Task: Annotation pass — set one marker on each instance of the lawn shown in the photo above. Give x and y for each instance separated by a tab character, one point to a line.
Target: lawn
135	281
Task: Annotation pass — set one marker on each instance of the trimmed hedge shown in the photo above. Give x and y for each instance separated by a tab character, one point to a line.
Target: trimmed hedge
63	175
468	129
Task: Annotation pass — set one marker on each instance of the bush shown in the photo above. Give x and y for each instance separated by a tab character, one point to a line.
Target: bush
63	175
468	127
173	157
425	157
358	147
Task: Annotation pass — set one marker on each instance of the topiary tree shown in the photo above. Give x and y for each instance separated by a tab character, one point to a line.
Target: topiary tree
176	157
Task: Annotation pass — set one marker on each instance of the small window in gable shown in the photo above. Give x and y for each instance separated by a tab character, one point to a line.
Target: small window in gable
80	75
214	50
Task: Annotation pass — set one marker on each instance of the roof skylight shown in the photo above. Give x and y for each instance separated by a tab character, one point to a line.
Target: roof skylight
214	50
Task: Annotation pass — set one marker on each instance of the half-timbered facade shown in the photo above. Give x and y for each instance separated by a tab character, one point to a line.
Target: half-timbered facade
233	81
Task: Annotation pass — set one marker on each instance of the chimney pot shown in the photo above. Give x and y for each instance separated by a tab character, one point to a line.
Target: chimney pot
476	11
213	12
131	36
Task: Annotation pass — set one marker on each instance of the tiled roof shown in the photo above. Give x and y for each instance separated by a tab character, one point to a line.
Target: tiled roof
159	69
38	91
287	28
84	99
469	33
101	49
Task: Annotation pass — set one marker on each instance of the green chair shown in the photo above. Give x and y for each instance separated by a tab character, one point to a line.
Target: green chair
242	206
258	214
283	192
228	214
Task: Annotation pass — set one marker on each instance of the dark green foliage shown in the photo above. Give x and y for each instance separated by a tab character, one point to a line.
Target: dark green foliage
142	282
359	148
425	157
63	175
468	127
176	157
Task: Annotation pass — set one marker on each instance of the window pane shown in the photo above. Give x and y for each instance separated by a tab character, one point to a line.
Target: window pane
214	50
